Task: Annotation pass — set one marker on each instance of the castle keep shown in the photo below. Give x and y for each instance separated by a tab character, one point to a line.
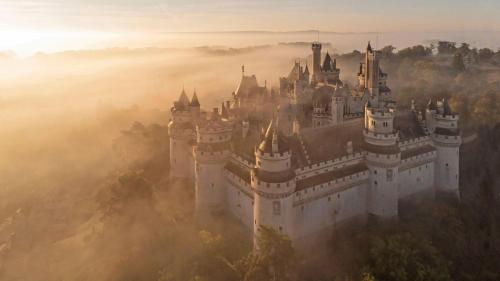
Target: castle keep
315	153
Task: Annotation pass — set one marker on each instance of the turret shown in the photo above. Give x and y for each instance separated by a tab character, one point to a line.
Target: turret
273	182
182	133
383	158
195	107
212	151
447	140
337	111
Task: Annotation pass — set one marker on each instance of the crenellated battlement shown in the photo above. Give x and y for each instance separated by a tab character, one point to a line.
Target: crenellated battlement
302	174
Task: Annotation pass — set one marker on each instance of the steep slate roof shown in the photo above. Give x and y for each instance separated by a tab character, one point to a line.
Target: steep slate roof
328	64
295	72
194	100
324	144
183	98
407	124
248	87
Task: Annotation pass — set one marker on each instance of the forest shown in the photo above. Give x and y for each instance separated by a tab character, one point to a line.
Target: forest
130	222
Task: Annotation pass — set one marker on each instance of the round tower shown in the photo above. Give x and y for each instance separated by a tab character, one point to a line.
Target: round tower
337	111
316	71
181	132
212	152
273	183
383	158
447	140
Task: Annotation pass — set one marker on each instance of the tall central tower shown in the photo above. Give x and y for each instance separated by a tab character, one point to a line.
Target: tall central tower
372	70
316	48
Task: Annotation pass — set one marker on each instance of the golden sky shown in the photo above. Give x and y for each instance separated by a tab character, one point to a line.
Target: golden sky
44	25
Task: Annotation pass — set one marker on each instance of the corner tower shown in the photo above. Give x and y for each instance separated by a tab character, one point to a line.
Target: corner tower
447	140
273	182
213	150
383	158
182	132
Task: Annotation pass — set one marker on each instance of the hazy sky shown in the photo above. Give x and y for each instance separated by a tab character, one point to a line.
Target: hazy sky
78	21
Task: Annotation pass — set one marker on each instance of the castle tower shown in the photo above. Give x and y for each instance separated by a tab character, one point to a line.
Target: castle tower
213	149
372	70
273	182
447	140
337	111
305	75
195	107
383	158
316	71
181	132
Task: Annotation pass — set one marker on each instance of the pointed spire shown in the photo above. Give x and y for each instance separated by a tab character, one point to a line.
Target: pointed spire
306	71
369	47
224	112
183	98
446	107
243	70
327	63
194	100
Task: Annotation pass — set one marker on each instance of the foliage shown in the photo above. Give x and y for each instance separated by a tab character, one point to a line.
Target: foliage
414	52
458	62
446	48
485	54
402	257
274	258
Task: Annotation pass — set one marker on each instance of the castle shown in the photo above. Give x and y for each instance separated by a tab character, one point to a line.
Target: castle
315	153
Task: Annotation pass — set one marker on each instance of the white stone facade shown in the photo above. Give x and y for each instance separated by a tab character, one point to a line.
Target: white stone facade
306	178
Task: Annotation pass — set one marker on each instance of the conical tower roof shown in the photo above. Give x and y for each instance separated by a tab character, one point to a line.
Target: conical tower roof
369	47
194	100
328	63
183	98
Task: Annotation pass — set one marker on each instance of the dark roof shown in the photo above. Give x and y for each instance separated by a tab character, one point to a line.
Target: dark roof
328	64
242	172
274	177
447	132
329	176
183	98
369	47
416	151
295	73
406	123
379	149
446	108
326	143
194	100
306	71
249	87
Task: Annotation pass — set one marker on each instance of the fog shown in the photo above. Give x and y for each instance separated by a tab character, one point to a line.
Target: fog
62	115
